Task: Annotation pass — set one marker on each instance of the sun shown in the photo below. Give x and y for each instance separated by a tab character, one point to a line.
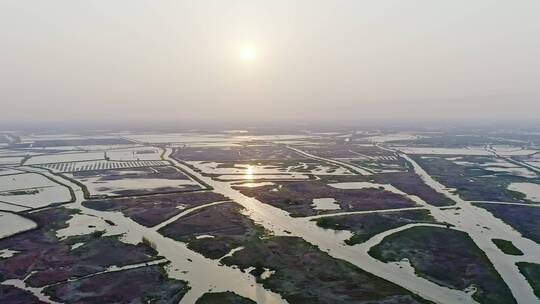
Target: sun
248	54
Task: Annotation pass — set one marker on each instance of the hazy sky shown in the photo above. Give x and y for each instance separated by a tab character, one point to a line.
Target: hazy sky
331	60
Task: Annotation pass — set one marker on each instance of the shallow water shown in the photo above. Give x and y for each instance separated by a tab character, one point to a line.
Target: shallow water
391	137
258	177
474	150
517	171
13	208
253	185
65	157
202	274
38	292
280	223
184	213
477	222
23	181
482	226
44	196
7	253
326	203
97	186
346	165
531	191
11	224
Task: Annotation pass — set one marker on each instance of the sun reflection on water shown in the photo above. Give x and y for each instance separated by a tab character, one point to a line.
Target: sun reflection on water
249	172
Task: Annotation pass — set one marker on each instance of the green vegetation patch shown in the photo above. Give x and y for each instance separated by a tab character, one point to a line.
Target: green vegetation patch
507	247
223	298
365	226
446	257
215	230
383	163
410	183
474	183
532	274
20	192
522	218
459	140
305	274
15	295
43	259
152	210
296	197
138	285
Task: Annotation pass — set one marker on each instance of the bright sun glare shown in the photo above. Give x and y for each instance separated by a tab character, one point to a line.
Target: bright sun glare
248	54
249	172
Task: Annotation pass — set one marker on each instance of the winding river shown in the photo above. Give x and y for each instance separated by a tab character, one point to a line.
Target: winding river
280	223
205	274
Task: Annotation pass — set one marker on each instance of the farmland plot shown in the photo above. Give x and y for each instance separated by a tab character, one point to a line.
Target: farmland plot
65	157
13	160
11	224
268	169
60	142
101	165
30	190
8	171
135	154
134	181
